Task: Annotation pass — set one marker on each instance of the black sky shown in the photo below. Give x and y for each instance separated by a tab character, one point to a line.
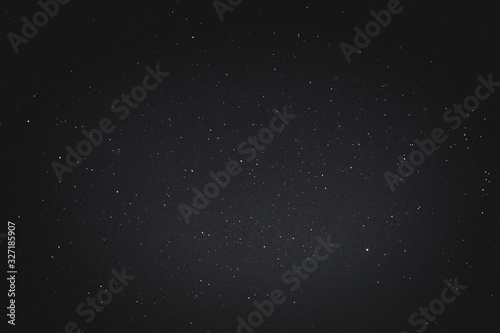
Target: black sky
322	175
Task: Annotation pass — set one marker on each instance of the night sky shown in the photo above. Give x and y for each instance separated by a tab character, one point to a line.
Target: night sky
302	141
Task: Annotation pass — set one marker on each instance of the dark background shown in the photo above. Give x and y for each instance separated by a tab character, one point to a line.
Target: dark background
322	175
